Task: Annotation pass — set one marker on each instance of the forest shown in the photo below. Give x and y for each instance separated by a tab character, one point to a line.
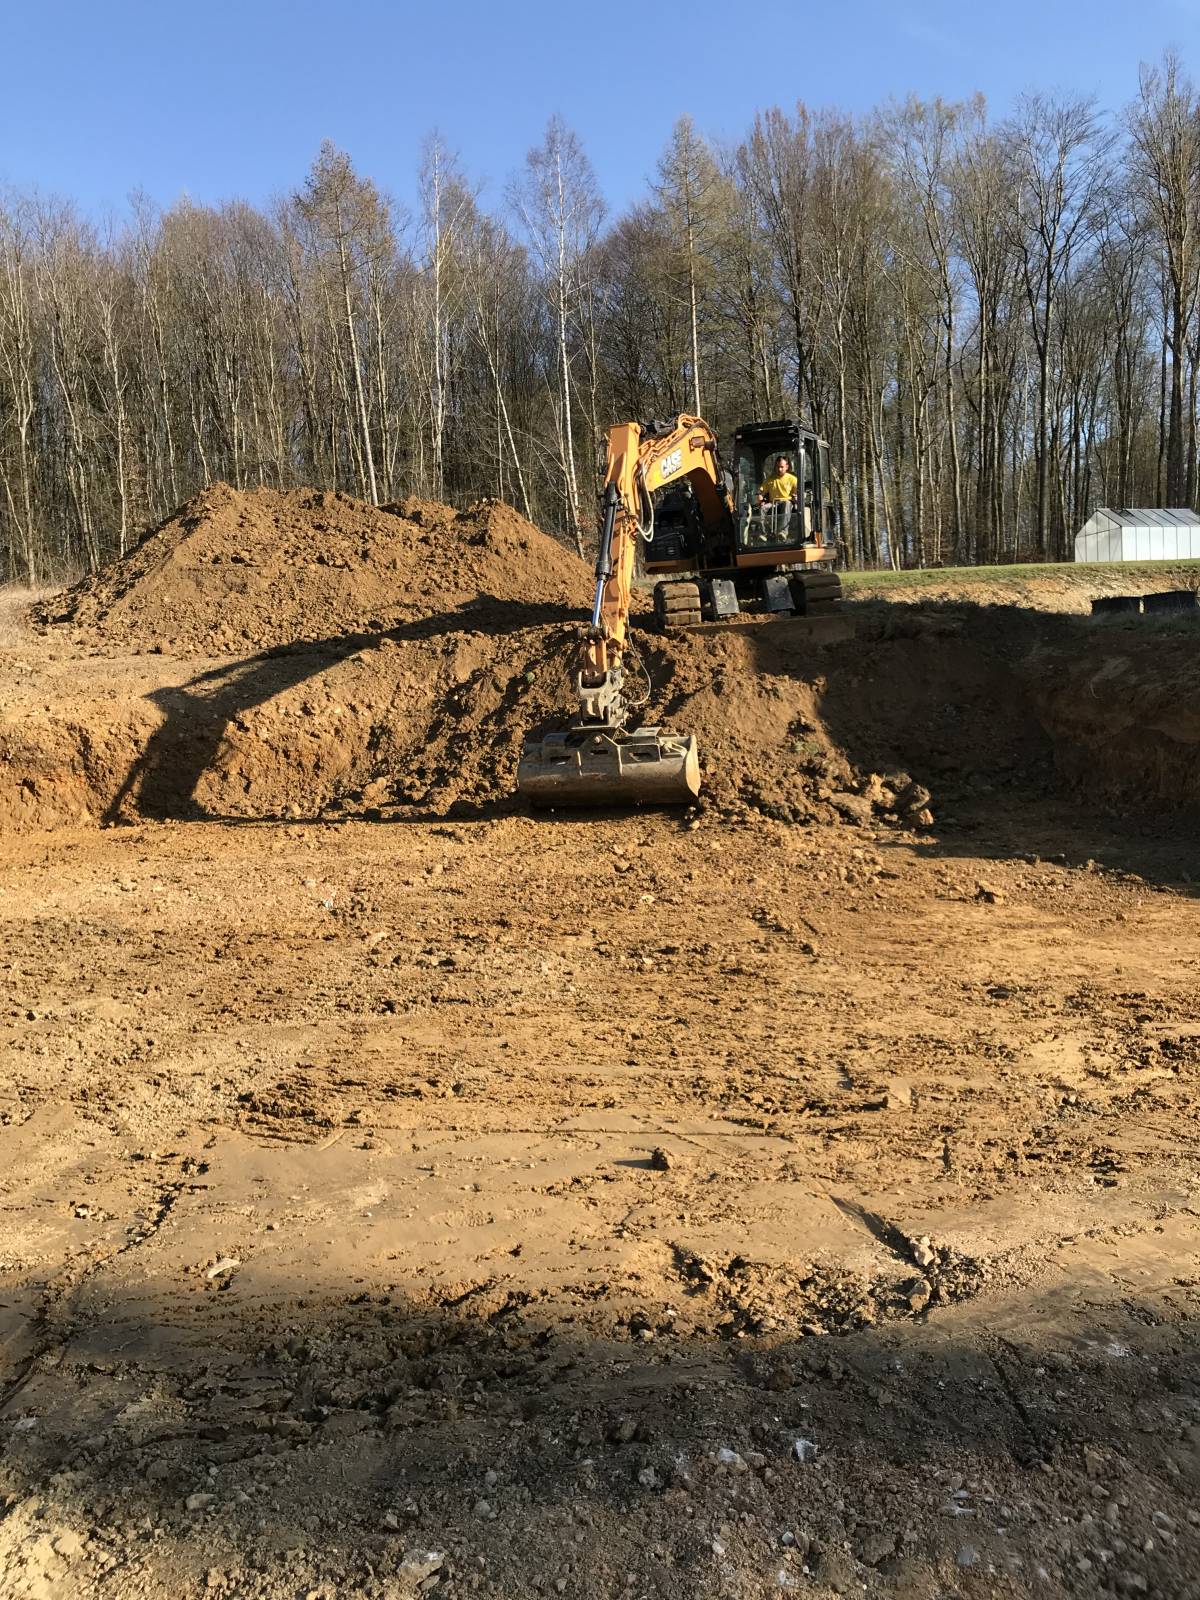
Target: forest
992	319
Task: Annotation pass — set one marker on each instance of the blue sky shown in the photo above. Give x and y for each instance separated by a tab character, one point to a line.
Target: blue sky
218	99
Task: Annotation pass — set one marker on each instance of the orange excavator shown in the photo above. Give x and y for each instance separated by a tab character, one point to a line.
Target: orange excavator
718	551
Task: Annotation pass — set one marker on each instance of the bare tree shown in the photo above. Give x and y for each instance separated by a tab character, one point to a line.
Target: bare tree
492	277
447	207
348	218
561	210
18	362
775	167
1058	150
687	189
982	205
923	138
1164	125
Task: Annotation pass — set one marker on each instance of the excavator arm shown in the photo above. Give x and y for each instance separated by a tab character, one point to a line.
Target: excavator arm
598	760
641	460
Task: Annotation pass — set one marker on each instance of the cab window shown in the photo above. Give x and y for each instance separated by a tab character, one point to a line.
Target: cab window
771	526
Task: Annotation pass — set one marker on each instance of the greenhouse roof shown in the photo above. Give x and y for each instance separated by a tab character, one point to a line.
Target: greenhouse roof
1150	516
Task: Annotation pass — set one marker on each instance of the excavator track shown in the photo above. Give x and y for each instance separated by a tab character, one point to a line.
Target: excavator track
676	605
817	594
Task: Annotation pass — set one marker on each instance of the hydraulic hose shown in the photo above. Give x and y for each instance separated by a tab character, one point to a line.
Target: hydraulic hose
646	529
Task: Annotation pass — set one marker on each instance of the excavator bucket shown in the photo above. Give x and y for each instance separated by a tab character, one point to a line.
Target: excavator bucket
590	767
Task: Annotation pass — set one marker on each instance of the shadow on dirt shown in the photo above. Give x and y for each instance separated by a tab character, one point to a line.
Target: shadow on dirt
1019	724
293	1437
957	696
162	782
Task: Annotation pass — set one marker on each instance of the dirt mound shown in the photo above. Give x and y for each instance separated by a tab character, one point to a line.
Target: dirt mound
751	695
428	719
234	571
429	726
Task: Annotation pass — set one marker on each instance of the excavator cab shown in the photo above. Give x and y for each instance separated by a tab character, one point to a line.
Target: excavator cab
756	555
790	530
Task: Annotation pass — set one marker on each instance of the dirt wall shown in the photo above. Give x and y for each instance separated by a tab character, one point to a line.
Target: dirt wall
271	655
1124	712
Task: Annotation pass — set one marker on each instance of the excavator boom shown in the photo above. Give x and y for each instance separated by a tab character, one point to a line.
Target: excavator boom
599	759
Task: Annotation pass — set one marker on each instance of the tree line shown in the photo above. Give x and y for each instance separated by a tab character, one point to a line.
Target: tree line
994	322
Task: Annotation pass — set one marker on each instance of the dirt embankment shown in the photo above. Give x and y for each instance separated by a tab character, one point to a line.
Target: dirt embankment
1065	587
267	654
1124	713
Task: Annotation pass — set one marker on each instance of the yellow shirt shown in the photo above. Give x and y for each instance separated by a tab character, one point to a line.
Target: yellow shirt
782	487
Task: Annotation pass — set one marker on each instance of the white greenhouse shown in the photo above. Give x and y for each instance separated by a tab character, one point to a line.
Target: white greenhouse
1139	533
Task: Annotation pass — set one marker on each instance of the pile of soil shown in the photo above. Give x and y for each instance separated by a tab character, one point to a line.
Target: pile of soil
233	571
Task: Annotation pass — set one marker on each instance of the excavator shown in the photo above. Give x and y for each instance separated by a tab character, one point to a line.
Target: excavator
718	551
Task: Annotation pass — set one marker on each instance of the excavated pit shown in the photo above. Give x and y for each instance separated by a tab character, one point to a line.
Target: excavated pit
296	654
374	1194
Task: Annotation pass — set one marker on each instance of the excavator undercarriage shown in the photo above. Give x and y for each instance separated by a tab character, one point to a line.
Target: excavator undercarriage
688	603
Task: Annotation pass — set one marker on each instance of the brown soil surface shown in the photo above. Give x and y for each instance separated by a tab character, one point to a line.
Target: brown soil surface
1065	588
1125	714
232	571
414	1196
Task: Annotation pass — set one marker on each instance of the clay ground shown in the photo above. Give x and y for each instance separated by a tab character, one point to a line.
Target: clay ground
332	1209
638	1205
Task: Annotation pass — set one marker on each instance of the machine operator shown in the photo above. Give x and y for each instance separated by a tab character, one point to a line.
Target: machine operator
781	485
